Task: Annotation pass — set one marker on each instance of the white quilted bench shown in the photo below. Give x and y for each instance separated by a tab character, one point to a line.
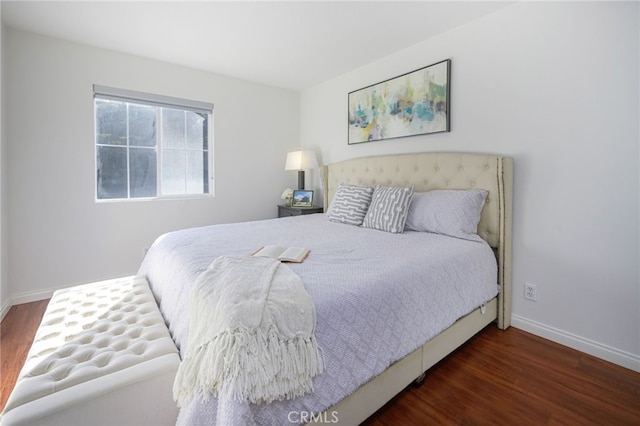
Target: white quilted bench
101	356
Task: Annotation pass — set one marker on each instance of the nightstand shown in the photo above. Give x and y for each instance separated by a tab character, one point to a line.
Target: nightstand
284	211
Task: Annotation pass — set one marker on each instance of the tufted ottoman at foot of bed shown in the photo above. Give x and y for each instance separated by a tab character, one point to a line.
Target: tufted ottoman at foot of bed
101	356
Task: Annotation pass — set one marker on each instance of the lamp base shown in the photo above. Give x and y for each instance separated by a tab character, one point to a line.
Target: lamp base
300	179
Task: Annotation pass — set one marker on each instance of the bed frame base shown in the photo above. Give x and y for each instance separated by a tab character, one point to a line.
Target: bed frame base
420	380
369	398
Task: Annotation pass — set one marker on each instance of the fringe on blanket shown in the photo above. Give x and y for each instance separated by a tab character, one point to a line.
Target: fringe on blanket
251	334
262	367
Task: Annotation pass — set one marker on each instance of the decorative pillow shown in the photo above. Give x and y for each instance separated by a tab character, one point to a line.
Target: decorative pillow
389	208
350	204
450	212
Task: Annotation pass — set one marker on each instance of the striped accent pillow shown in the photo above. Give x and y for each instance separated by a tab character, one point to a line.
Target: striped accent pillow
389	208
350	204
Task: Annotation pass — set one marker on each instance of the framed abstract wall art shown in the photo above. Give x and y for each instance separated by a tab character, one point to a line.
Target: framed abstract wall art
415	103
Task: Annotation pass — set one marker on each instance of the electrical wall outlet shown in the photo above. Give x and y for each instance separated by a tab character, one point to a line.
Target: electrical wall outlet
530	292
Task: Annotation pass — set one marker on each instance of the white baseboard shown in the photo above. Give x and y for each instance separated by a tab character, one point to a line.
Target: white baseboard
33	296
599	350
5	308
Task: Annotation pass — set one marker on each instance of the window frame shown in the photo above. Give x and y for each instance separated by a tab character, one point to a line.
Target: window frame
157	101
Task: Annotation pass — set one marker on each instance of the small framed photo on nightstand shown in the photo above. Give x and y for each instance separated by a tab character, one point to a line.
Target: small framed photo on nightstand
302	198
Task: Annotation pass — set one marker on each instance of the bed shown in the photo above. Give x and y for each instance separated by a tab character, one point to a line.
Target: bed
377	326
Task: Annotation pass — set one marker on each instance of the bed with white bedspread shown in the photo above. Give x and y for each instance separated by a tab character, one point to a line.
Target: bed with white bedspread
389	305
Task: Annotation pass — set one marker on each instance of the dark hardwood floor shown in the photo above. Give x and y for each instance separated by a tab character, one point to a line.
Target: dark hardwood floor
499	378
17	331
515	378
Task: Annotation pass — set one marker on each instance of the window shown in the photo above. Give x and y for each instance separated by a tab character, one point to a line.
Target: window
150	146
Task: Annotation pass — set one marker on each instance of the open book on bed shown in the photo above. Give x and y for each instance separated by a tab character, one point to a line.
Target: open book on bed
288	254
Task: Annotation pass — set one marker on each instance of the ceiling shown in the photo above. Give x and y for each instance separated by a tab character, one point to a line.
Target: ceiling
291	44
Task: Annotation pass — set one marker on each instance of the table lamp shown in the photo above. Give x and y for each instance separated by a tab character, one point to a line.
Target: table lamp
301	161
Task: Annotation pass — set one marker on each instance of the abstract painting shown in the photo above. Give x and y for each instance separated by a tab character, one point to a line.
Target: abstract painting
415	103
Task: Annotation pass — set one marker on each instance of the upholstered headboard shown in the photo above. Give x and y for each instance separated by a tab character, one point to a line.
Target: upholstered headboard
444	170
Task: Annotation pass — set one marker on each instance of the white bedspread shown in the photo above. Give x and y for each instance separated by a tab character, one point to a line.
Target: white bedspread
378	296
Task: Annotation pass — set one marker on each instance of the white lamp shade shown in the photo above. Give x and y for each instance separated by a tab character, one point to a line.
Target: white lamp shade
301	160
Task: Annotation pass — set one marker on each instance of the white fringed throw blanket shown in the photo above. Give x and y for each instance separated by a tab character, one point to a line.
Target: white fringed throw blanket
251	334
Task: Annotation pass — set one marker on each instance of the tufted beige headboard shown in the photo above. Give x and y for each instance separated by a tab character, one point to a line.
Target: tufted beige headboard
444	170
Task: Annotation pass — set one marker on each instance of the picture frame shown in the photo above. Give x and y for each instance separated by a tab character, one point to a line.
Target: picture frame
415	103
302	198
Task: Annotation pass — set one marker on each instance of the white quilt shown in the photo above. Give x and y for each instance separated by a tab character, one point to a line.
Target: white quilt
378	297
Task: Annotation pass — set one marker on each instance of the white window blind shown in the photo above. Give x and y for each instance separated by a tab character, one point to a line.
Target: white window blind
150	146
125	95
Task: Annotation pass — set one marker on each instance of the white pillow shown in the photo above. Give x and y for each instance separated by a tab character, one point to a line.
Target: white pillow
450	212
389	208
350	204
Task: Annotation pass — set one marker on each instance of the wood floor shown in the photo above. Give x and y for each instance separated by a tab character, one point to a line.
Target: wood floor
498	378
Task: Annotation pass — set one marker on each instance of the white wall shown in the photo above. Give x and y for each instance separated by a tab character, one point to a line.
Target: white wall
555	86
5	298
58	234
